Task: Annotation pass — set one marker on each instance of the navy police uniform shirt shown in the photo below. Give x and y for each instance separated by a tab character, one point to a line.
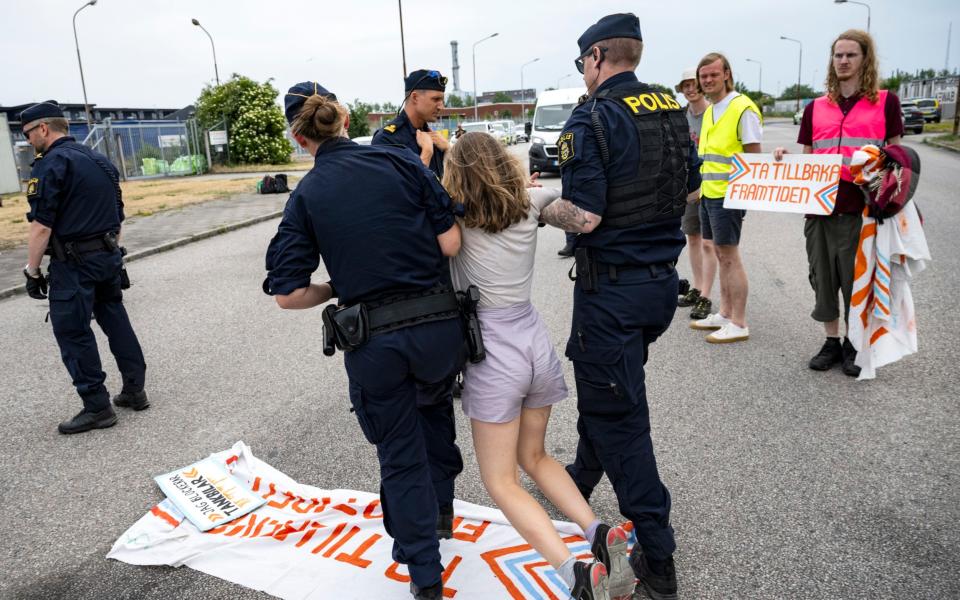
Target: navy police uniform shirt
72	190
373	213
585	181
400	132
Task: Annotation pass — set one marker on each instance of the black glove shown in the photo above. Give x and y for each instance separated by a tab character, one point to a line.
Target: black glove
36	286
124	279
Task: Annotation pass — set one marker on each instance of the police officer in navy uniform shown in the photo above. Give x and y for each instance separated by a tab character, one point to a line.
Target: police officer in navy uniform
75	213
625	156
423	102
382	225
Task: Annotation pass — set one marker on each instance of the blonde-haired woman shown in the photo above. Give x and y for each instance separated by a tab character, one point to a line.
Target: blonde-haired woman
509	395
382	225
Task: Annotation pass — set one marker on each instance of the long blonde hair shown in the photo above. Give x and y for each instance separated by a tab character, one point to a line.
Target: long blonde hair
489	182
869	77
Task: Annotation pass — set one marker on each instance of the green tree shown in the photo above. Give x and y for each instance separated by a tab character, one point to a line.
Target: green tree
389	107
661	88
255	125
359	124
791	92
467	100
501	97
893	82
454	101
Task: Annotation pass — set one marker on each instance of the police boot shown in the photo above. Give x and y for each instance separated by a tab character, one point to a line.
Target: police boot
85	421
134	400
445	522
566	251
658	579
434	592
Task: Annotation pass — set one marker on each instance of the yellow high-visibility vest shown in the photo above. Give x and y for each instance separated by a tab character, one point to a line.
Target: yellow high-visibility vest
719	142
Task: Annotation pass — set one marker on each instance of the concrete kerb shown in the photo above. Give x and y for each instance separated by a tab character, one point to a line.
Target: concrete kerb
930	142
20	289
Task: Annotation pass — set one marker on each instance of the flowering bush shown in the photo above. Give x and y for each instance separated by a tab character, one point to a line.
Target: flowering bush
255	124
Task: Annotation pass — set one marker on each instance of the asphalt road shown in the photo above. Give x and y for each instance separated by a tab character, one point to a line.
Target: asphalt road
786	483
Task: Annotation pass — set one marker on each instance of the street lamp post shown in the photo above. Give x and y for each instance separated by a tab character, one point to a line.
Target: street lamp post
474	58
523	98
760	64
799	66
86	105
562	78
861	4
216	72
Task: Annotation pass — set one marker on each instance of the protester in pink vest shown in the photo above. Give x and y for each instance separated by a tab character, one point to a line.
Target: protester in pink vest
851	114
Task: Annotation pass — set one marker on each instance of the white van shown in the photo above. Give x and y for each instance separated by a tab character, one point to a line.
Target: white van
551	114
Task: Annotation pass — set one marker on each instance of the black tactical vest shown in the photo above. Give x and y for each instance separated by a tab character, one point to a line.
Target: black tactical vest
659	188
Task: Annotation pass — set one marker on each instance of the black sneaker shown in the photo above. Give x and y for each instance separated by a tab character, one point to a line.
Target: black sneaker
445	523
590	581
566	251
434	592
85	421
701	309
659	586
830	354
849	356
134	400
610	548
684	287
689	299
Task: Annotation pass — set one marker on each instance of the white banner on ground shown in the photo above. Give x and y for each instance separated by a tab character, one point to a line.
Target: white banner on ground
207	495
309	544
800	183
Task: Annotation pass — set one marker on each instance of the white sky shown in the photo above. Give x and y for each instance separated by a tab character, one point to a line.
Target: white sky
148	54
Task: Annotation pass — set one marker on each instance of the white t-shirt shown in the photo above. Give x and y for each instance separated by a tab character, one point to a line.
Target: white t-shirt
501	264
749	129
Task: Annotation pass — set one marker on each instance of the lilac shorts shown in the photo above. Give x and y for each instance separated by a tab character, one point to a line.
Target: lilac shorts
521	369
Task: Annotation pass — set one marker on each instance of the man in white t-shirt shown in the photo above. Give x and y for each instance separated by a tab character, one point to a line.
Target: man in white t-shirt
731	125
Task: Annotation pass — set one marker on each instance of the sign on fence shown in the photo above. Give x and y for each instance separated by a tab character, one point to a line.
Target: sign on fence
800	183
218	137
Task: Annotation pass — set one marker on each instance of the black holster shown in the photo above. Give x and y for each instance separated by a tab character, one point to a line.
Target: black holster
345	328
55	249
586	266
471	323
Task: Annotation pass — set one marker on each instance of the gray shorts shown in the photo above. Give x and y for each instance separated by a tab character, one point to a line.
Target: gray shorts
690	223
521	370
722	225
831	253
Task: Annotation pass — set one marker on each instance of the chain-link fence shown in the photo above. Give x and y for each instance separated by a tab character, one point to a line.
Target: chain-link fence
151	148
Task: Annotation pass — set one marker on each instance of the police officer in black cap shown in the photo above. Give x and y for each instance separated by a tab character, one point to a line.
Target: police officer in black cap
625	157
421	105
382	225
75	214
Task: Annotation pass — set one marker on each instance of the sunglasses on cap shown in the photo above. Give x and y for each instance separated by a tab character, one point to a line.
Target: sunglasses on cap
431	75
579	60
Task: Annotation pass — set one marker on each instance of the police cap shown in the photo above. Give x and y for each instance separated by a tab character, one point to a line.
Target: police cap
423	79
619	25
43	110
298	94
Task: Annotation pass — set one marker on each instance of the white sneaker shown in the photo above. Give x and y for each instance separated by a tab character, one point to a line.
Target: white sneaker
714	321
729	333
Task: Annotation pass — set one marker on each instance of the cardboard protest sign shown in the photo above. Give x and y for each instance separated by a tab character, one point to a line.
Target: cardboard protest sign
207	495
800	183
310	544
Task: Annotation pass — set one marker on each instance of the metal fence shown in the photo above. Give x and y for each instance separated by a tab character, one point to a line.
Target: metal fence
151	148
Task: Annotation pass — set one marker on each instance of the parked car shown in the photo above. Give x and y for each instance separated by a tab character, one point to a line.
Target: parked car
520	131
797	117
507	127
912	116
363	140
487	127
930	107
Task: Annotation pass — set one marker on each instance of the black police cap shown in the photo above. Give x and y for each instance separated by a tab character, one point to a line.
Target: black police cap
424	79
298	94
43	110
619	25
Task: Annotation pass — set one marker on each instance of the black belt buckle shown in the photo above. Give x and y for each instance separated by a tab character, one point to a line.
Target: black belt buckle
351	326
586	266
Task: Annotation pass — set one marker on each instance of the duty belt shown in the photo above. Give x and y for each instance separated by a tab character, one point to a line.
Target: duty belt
76	249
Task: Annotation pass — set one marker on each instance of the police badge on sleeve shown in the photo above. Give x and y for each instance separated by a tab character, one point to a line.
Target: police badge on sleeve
33	187
565	147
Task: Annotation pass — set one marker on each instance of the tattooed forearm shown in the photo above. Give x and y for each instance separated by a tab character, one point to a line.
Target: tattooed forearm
569	217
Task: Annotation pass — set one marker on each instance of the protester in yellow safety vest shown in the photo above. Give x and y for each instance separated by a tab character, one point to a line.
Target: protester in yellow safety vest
731	125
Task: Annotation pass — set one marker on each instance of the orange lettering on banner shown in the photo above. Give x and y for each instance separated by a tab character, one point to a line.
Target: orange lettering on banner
355	557
323	544
239	525
287	529
281	505
391	573
476	530
315	505
346	508
309	534
353	531
368	511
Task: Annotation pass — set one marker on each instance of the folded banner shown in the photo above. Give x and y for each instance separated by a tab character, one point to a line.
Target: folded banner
309	543
800	183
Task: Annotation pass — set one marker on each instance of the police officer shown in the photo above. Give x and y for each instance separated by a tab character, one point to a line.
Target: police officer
423	102
382	225
75	214
625	156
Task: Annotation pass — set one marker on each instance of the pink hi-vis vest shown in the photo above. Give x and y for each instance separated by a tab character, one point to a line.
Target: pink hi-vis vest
836	133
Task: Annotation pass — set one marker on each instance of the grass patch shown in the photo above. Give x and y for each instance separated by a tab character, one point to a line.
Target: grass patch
140	198
297	165
949	140
941	127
